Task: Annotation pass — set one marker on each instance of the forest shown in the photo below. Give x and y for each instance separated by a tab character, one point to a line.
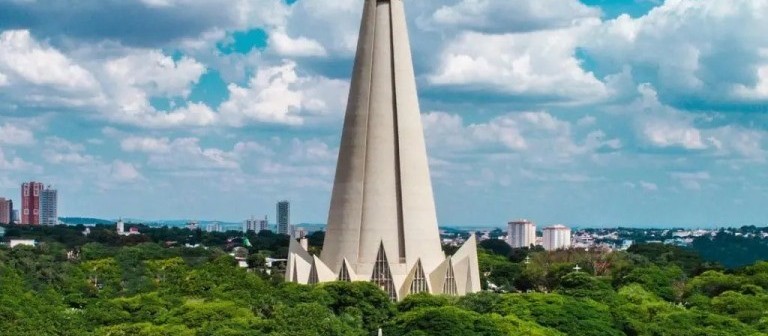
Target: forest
153	284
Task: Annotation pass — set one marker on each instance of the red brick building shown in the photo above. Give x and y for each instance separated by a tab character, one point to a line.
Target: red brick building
30	203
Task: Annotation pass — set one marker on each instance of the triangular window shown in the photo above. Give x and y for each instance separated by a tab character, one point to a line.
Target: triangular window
313	279
382	276
419	283
449	286
344	273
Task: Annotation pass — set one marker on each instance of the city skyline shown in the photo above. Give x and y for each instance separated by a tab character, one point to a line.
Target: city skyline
557	115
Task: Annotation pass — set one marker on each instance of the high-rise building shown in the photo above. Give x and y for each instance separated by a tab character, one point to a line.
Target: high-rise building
49	205
6	211
521	233
382	223
255	225
30	203
214	227
283	217
120	227
556	237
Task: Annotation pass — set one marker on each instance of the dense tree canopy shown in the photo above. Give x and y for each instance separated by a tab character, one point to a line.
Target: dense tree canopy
71	284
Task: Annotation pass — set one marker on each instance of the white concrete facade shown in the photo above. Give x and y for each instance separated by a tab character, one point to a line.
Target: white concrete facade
382	223
521	233
556	237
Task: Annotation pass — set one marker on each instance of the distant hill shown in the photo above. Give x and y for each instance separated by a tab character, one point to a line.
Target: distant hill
85	220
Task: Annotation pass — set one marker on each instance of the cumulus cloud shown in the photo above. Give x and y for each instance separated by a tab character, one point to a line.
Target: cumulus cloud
146	145
511	15
279	94
648	186
538	64
64	152
285	45
708	52
11	134
15	163
691	180
333	24
35	73
124	172
154	73
539	134
661	133
39	64
665	127
180	153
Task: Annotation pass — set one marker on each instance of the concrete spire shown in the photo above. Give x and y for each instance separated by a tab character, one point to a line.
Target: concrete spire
382	190
382	194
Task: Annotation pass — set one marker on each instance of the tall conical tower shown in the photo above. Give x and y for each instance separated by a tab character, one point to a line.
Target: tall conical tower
382	225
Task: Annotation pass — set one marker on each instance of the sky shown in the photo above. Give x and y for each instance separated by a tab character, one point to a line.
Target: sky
593	113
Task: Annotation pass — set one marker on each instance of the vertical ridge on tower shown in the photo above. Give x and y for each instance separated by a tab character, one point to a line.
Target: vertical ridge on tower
382	202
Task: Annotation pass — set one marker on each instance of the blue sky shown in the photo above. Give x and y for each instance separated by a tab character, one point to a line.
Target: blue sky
592	113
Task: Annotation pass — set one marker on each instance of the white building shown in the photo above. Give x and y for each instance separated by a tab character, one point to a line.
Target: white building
521	233
213	227
120	227
556	237
256	225
22	242
49	206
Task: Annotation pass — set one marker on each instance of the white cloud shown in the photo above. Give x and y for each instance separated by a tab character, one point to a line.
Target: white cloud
15	163
739	142
35	74
540	135
311	151
24	58
285	45
758	91
146	145
511	15
124	172
180	154
661	133
648	186
663	126
158	3
154	73
691	180
586	121
536	64
64	152
706	51
280	95
333	24
13	135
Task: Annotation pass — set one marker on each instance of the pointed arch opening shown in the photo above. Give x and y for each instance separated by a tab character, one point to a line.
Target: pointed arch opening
313	278
344	273
382	275
449	286
419	283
